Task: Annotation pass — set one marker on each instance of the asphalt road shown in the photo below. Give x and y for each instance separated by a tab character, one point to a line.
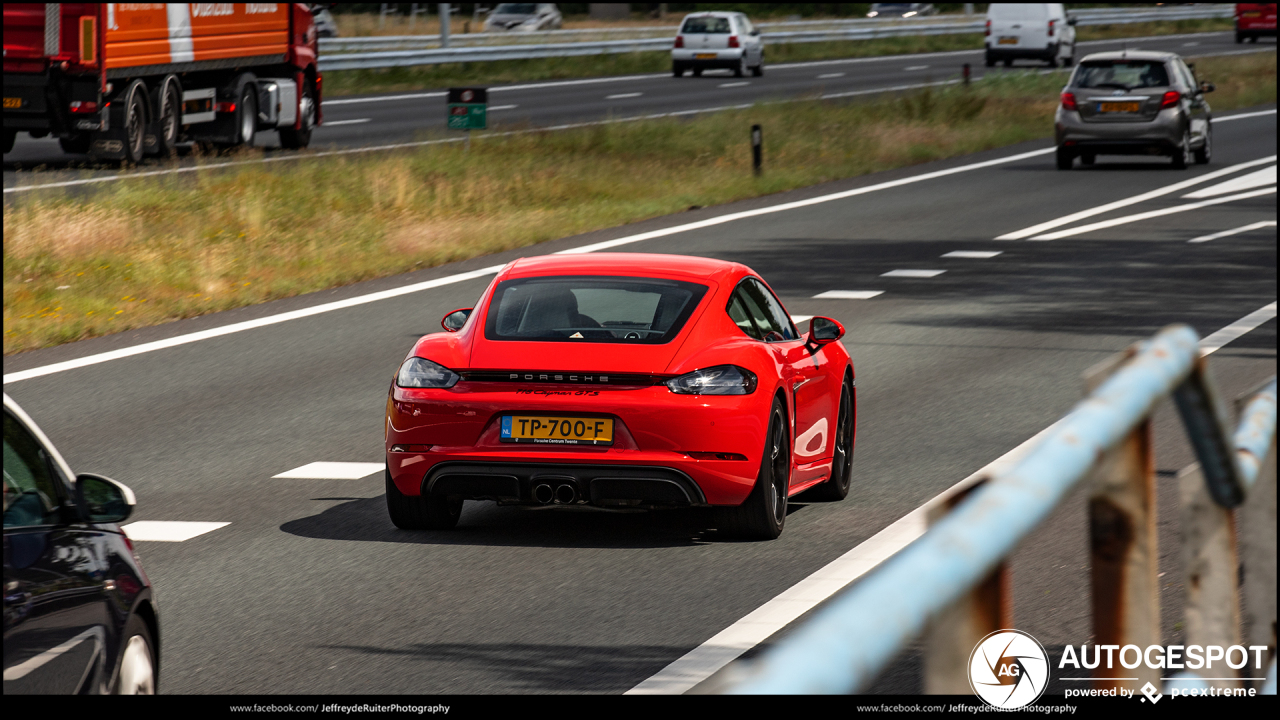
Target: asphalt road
362	121
310	589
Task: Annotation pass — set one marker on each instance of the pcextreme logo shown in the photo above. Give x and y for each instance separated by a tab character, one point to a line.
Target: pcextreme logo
1008	669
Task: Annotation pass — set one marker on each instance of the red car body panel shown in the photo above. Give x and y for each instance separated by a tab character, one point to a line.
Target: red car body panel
654	427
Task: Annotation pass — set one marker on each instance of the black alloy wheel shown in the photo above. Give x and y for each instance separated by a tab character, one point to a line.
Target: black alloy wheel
762	515
424	512
837	486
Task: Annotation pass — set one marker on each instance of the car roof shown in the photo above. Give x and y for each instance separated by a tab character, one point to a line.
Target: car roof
1130	55
712	13
625	265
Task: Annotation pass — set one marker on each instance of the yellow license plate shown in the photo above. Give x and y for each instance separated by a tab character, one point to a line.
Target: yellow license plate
705	56
1008	41
1118	107
12	103
547	430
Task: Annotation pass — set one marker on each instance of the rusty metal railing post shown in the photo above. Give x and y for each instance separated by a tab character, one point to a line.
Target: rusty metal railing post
1123	547
952	635
1257	518
1209	560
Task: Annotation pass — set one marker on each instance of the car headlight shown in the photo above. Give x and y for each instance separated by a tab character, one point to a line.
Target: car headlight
419	372
718	380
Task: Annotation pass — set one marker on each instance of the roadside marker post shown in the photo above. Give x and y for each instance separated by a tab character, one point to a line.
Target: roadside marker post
757	140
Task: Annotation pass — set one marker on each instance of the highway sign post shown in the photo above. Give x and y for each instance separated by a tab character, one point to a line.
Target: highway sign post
468	110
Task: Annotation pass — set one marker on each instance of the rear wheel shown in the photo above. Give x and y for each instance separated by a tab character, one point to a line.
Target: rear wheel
291	139
1087	158
990	60
1008	62
9	137
697	72
762	515
1239	38
1205	153
837	486
169	116
76	144
677	70
1065	158
423	512
741	69
135	122
1182	154
758	70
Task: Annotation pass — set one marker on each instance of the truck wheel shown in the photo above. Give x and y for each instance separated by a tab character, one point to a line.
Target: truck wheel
9	136
169	118
247	115
76	144
291	139
135	122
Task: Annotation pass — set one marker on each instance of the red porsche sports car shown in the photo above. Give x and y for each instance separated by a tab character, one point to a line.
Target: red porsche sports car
622	380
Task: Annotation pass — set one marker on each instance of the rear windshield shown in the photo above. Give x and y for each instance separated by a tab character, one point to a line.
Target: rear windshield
515	9
1122	74
1018	11
706	26
581	308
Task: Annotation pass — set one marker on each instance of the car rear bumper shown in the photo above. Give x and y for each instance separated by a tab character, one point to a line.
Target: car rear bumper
1006	52
1162	134
723	58
600	485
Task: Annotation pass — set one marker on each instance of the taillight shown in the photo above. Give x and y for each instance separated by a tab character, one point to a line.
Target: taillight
84	106
679	41
1051	22
733	41
225	107
1068	101
988	28
1170	99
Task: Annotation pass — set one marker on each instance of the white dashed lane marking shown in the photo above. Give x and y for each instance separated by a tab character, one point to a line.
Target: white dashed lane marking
848	294
973	254
916	67
735	84
503	107
332	123
168	530
913	273
332	471
622	96
828	76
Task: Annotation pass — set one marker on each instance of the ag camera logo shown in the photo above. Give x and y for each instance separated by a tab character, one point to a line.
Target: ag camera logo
1008	669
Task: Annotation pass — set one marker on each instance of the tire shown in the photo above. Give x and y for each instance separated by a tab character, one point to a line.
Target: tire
1087	158
168	119
1239	38
1253	39
741	69
1065	158
1205	152
1008	62
9	137
135	673
247	115
1182	154
291	139
76	144
990	60
423	512
135	122
758	70
1053	57
697	72
764	512
836	487
676	70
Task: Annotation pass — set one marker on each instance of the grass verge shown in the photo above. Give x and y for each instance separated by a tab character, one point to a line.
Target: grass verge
152	250
361	82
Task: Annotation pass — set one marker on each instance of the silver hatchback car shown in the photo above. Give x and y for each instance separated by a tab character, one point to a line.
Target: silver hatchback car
1134	103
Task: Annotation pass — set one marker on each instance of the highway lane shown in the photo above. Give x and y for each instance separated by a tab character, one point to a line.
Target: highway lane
364	121
310	589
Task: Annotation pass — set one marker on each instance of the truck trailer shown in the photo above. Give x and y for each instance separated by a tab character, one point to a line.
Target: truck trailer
120	81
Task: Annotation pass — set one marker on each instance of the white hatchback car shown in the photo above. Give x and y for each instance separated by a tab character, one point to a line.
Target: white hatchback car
724	40
1036	31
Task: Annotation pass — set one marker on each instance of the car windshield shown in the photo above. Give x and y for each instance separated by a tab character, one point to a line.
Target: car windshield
591	309
707	25
515	9
1122	74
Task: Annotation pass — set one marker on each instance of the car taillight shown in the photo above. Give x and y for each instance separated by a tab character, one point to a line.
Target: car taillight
1170	99
225	107
1068	101
679	41
84	106
1051	22
733	41
988	32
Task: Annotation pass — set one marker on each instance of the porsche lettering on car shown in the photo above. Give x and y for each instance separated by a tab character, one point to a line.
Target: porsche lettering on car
622	381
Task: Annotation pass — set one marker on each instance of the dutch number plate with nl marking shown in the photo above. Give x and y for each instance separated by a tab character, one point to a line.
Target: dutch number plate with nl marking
556	430
1107	107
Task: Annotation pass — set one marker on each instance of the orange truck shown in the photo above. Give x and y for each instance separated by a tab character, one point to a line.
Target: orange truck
1255	20
120	81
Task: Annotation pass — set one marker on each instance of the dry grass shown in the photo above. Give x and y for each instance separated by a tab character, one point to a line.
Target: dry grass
154	249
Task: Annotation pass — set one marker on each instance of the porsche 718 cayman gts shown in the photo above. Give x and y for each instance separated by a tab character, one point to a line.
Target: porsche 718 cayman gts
622	381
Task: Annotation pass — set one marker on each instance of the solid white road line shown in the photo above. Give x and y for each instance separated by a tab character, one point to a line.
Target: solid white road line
725	646
622	96
1237	231
1152	213
848	294
1257	178
1142	197
913	273
594	247
974	254
168	530
1254	319
332	471
332	123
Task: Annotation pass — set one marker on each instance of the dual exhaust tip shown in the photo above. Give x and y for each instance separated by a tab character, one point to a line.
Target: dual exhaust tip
562	494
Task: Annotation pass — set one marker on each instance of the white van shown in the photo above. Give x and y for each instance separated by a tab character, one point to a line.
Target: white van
1039	31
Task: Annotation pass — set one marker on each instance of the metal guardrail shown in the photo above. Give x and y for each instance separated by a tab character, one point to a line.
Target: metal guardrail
408	50
951	584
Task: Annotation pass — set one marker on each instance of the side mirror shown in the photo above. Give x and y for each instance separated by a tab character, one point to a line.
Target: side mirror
1207	87
755	33
1072	21
823	330
103	500
454	321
